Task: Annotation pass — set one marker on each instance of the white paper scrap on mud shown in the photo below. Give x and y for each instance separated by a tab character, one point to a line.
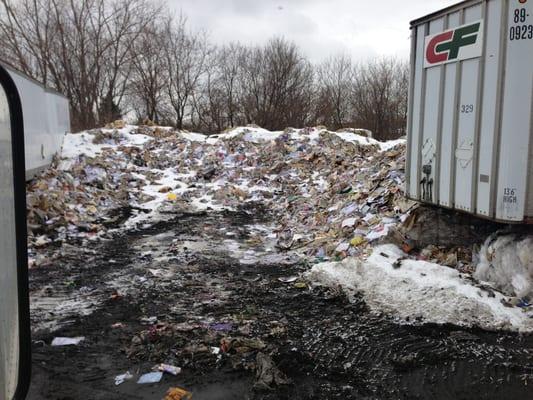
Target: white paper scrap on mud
120	379
151	377
64	341
420	290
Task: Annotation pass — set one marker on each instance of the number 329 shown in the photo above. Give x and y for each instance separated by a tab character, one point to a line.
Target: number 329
467	108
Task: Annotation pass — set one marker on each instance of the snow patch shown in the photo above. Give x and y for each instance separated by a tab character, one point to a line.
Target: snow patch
77	144
260	135
363	140
193	137
390	144
355	138
420	291
250	134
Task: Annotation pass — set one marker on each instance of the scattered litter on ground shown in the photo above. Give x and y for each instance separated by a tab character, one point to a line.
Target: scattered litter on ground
120	379
221	327
289	279
64	341
177	393
169	369
241	345
267	374
151	377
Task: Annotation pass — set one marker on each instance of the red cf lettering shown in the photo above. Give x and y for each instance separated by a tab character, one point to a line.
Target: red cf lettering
431	53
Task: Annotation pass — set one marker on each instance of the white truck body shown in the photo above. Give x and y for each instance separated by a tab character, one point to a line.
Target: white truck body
470	144
15	337
46	120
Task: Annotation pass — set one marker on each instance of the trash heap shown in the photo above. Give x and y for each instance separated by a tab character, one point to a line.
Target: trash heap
79	197
332	193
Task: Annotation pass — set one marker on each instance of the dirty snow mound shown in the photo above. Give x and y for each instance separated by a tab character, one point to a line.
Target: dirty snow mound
420	291
193	137
507	263
90	144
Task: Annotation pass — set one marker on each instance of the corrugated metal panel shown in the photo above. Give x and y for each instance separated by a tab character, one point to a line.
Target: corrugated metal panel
466	129
529	199
470	116
445	11
489	116
516	119
447	156
418	101
432	112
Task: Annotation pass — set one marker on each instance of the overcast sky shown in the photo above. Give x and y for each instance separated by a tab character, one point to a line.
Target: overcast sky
360	28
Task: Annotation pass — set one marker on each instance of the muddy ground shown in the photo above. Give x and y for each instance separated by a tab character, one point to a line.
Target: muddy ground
172	291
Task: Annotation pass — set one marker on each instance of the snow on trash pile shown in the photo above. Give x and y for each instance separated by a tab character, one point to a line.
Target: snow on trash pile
259	135
251	134
421	292
193	137
364	137
311	179
91	144
506	262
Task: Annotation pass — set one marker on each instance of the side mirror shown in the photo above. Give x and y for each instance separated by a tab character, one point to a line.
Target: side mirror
15	341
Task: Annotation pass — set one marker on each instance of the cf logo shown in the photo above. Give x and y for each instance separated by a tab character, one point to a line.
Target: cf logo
445	46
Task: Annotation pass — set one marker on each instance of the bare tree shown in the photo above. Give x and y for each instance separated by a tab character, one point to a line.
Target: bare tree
379	98
185	55
209	101
24	42
277	82
149	76
107	55
82	48
218	102
335	79
401	94
230	69
127	21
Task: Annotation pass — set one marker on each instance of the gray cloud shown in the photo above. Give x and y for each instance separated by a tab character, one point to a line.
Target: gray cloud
359	28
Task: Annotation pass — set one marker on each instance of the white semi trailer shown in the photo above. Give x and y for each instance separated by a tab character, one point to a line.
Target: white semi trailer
15	359
33	121
46	120
470	133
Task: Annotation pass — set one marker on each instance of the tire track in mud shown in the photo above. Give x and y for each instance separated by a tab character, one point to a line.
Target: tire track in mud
381	359
329	347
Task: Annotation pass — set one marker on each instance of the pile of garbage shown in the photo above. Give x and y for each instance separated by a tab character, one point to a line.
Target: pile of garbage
335	199
78	197
332	193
